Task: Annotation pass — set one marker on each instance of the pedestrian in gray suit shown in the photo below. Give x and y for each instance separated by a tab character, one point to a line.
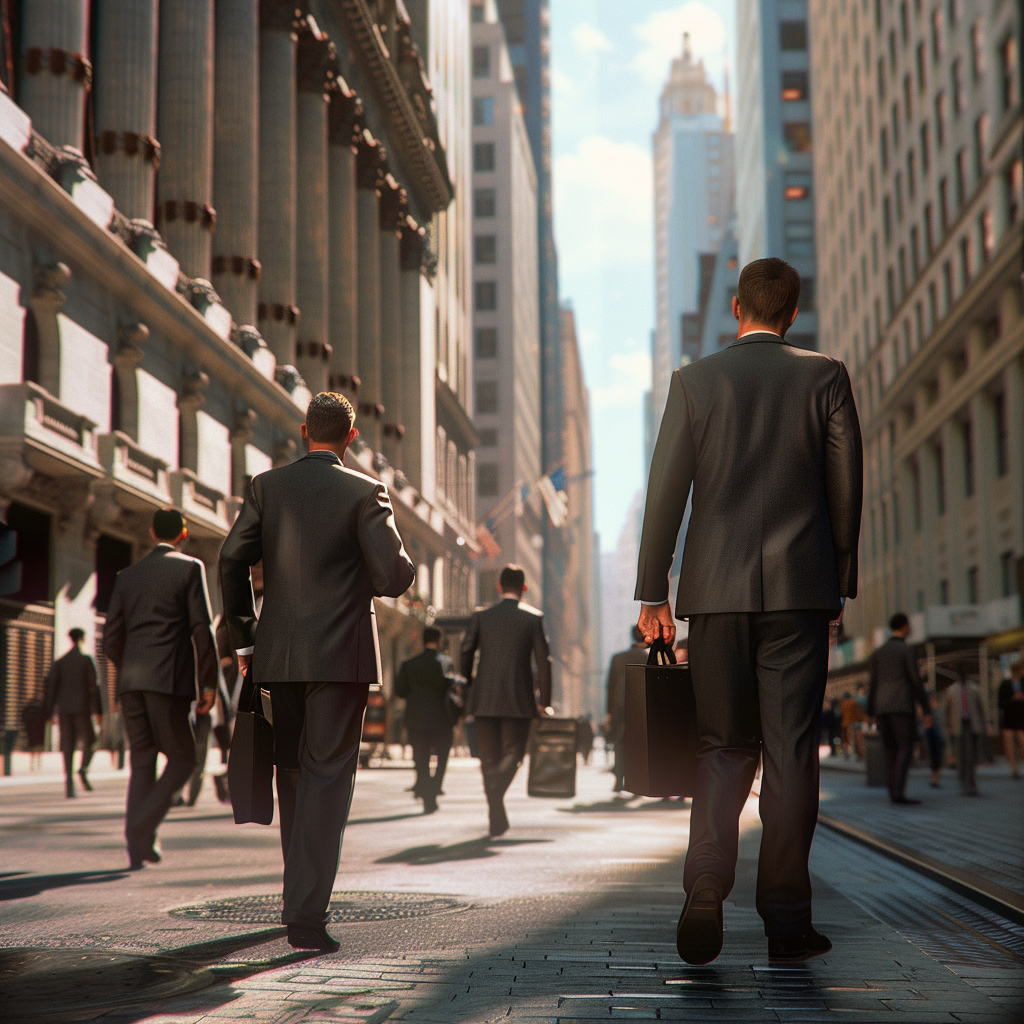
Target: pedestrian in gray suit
159	636
327	539
506	695
70	690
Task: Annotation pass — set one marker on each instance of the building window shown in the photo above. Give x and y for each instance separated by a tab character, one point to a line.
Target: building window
799	238
966	267
794	85
938	36
915	253
940	119
967	440
1007	574
929	231
915	483
34	530
962	172
489	437
476	14
485	343
911	173
487	480
908	99
957	86
987	226
1001	434
883	149
481	62
972	585
486	295
1014	178
943	592
487	396
933	306
886	220
980	144
978	49
30	349
919	67
484	202
807	294
793	35
483	111
947	286
798	136
940	482
944	218
1009	85
485	249
483	156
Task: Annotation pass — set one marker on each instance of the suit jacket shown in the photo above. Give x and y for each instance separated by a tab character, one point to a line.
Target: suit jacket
616	686
158	631
767	435
423	681
507	635
329	545
895	682
70	687
952	706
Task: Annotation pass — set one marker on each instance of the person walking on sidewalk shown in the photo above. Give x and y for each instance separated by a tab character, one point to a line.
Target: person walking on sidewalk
423	681
767	435
895	687
159	636
328	543
509	691
70	690
615	696
1011	709
966	724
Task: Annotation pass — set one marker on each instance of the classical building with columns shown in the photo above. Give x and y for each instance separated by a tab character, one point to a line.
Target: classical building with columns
209	210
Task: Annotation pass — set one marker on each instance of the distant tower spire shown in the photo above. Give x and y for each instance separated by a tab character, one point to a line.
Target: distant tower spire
728	104
687	55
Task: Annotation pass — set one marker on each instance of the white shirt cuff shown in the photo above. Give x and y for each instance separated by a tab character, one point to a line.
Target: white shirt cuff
243	651
654	604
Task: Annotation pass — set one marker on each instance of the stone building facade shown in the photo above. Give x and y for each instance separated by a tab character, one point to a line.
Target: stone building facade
207	212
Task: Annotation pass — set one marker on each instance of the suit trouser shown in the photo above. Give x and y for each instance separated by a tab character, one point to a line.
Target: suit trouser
967	745
72	729
202	731
317	727
424	743
898	735
618	738
502	744
154	723
759	681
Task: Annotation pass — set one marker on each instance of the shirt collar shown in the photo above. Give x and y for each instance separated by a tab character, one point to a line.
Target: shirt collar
323	454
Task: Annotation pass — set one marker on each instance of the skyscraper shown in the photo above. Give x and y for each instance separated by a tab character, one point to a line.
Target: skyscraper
774	169
693	198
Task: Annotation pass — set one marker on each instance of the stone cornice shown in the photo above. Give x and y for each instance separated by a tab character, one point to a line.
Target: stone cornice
346	116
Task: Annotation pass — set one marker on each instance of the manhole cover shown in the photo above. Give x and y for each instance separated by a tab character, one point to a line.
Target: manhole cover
56	984
344	907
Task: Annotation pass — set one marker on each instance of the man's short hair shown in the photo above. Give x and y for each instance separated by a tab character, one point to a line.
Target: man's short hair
898	621
768	292
431	635
76	634
329	418
512	580
168	524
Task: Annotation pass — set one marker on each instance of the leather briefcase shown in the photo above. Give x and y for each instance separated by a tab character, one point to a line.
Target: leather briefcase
251	765
552	758
661	726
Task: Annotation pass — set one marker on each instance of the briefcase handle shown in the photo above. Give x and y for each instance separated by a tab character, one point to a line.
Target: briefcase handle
660	653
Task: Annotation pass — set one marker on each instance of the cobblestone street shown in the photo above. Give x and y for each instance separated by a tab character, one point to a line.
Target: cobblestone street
570	917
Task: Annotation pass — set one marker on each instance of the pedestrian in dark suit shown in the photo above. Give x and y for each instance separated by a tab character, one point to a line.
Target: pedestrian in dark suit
327	539
423	681
895	687
70	690
158	634
512	686
1011	709
767	435
615	713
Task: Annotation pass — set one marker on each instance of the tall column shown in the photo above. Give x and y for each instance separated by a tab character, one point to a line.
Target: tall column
185	216
414	374
56	73
317	70
369	177
235	269
277	312
393	206
346	127
127	152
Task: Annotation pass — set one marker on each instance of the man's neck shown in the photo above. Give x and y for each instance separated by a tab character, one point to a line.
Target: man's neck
338	450
746	329
511	597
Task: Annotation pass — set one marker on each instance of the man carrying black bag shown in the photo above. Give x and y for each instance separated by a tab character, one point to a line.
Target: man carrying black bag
767	435
328	542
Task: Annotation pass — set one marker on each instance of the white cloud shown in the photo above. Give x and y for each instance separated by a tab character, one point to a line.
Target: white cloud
627	377
563	85
590	39
661	38
603	206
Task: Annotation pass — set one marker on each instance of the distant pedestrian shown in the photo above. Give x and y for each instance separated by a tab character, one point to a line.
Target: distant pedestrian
511	688
615	708
159	636
424	681
33	720
895	687
966	723
1011	709
71	691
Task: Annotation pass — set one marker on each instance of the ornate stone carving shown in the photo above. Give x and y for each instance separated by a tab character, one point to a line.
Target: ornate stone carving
371	161
248	339
238	265
49	280
314	350
243	424
278	311
343	381
145	238
190	211
200	293
374	409
130	339
394	202
15	473
59	62
346	116
413	244
131	144
280	15
316	60
194	385
289	378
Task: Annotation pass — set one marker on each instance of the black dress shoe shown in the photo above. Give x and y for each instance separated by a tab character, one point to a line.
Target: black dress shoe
795	949
700	930
86	784
154	854
429	804
312	936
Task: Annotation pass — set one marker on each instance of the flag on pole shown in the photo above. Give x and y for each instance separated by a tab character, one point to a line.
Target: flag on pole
554	498
486	540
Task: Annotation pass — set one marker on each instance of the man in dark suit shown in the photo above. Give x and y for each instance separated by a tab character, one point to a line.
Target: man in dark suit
505	696
615	715
159	636
767	435
895	687
327	539
423	681
70	690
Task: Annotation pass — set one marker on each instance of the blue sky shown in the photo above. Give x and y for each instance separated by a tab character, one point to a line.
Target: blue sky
609	62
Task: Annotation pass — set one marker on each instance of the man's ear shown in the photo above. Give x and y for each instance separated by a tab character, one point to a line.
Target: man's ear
352	435
793	317
304	432
736	307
